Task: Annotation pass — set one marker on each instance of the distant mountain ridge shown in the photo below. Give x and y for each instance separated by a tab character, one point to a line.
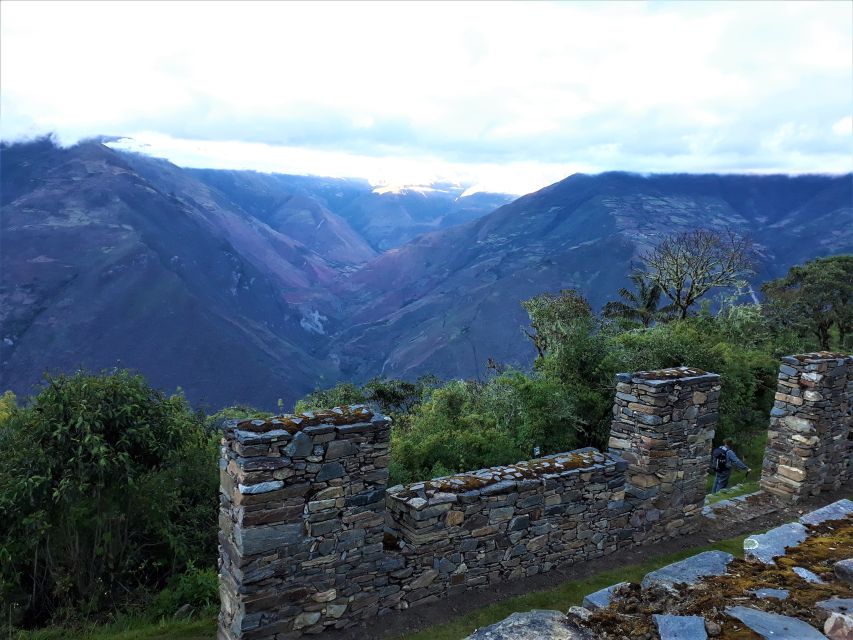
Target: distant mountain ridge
246	287
448	301
223	283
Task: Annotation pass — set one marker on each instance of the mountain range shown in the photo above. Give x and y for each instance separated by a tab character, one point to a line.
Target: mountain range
244	287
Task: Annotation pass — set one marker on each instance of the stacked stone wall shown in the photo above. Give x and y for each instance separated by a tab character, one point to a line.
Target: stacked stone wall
301	522
809	440
663	427
476	529
310	541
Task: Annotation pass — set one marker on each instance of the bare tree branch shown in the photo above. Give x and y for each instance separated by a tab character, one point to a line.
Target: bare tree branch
687	265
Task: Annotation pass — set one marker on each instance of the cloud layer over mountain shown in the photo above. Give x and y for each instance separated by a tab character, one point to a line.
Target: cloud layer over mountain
451	88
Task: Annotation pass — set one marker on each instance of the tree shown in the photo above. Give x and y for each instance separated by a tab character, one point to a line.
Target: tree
688	265
8	403
814	297
642	306
553	317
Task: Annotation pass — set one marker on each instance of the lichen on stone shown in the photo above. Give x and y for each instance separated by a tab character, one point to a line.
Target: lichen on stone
352	414
526	470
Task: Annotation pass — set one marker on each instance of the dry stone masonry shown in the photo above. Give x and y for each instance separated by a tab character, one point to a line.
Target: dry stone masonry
663	426
474	530
311	540
301	522
809	441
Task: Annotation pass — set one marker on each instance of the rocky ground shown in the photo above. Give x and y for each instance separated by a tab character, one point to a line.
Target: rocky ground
791	595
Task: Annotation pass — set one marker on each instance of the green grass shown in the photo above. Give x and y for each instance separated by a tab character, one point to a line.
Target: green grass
560	598
132	629
733	492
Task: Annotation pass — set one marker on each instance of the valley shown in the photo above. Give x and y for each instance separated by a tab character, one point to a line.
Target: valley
250	288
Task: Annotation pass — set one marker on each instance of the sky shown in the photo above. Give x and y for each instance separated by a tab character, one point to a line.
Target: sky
506	96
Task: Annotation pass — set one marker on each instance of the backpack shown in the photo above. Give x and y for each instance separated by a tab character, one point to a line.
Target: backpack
719	462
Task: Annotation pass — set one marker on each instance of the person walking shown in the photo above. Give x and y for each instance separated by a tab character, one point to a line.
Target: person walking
722	460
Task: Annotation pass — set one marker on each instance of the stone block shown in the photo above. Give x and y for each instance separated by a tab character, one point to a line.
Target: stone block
690	570
330	471
843	570
838	626
766	547
836	511
771	625
680	627
603	597
254	540
533	625
300	446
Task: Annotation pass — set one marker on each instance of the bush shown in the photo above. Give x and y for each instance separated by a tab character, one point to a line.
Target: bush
748	374
467	425
198	588
113	489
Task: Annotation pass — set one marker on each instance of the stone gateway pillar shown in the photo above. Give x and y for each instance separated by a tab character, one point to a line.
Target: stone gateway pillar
808	442
302	502
663	427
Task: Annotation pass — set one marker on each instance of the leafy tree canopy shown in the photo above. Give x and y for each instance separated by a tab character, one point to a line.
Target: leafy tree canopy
815	297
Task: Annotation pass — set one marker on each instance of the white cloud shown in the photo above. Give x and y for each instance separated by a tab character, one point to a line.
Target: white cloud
420	88
844	126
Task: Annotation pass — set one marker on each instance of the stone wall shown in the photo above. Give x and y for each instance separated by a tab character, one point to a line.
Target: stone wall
809	440
301	522
663	426
475	529
310	541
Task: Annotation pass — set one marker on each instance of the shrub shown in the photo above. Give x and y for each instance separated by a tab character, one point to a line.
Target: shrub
466	425
113	488
198	588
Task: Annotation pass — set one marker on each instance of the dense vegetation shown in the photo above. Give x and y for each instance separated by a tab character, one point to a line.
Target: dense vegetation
107	491
108	488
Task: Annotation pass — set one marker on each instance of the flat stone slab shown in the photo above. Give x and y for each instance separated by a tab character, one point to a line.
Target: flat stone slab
690	570
681	627
765	547
835	511
838	605
772	625
765	593
808	576
533	625
601	598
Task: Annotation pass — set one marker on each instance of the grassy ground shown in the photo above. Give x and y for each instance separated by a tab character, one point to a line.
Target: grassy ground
133	629
560	598
733	492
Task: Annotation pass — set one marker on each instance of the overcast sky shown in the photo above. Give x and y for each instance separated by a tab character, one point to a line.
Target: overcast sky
509	96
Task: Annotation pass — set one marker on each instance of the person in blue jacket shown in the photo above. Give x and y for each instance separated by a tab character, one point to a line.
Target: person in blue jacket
722	460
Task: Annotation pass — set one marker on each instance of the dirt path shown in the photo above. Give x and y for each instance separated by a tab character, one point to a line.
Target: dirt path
721	528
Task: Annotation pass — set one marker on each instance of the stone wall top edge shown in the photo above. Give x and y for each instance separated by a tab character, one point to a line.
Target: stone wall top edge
292	423
672	375
509	476
817	356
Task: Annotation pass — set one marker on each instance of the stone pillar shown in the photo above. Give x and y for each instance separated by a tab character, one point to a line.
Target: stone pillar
301	522
663	426
808	443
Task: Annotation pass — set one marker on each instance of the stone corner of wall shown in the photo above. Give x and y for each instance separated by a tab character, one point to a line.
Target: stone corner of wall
818	357
669	376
